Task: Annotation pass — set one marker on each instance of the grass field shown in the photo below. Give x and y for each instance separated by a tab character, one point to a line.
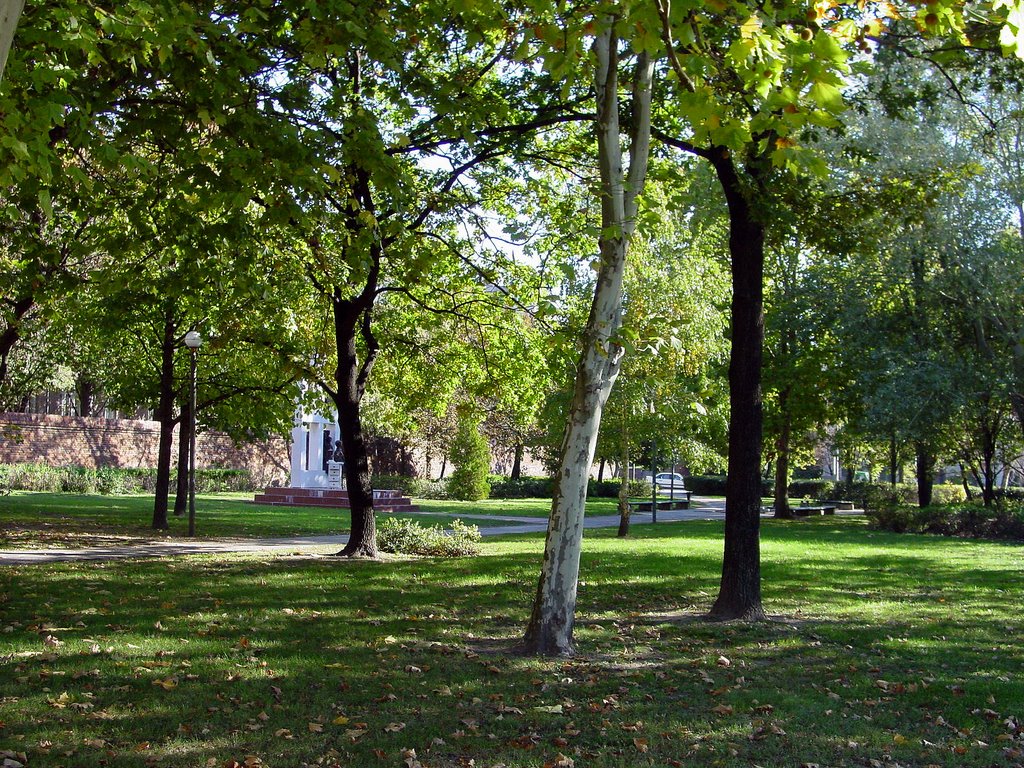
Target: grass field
885	650
40	519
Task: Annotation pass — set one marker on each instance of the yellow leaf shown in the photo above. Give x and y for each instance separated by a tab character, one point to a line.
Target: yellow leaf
340	720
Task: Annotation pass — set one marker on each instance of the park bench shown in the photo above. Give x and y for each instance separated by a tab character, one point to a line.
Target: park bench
681	500
806	510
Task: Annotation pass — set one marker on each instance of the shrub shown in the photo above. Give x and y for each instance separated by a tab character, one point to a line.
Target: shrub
947	493
523	488
706	485
714	485
472	459
113	480
409	537
815	489
1004	521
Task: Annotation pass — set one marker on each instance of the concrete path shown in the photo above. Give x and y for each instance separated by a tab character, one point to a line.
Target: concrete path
704	509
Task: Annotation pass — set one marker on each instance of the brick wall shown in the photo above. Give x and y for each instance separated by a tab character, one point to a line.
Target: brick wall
95	442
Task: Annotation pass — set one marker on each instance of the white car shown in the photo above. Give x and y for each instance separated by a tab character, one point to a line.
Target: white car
668	480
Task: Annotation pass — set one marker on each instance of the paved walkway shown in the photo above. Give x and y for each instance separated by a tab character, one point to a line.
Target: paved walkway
704	509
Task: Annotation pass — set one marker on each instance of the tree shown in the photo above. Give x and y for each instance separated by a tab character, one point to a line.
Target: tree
550	628
472	459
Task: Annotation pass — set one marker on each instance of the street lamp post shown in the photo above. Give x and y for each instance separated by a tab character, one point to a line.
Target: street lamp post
654	465
193	341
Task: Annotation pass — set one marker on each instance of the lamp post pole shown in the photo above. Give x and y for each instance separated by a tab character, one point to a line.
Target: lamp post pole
654	465
193	341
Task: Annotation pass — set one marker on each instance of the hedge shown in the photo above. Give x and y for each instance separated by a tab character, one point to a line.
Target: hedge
111	480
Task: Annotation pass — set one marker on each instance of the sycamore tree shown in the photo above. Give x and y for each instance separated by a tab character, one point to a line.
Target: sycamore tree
550	628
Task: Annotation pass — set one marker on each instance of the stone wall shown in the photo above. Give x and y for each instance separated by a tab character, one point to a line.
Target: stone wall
64	441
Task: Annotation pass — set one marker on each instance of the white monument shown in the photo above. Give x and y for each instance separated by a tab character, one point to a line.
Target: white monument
312	434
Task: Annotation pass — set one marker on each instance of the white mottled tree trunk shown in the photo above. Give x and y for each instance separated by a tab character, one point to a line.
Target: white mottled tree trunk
10	12
551	623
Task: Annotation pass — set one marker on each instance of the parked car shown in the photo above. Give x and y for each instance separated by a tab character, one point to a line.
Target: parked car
668	480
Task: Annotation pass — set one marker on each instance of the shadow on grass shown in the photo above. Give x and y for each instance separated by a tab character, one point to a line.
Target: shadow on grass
298	660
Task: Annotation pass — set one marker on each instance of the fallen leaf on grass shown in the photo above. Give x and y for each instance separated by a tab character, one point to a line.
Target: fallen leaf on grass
315	727
394	727
340	720
640	744
167	684
554	709
561	761
722	709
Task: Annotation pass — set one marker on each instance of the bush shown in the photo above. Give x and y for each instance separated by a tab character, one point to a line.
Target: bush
472	459
865	495
409	537
523	488
1004	521
113	480
714	485
815	489
706	485
947	493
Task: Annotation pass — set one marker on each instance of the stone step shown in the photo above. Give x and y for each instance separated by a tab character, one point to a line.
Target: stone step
389	506
384	500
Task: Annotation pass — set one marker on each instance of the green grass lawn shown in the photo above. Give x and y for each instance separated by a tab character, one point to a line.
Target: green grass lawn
58	519
512	507
886	650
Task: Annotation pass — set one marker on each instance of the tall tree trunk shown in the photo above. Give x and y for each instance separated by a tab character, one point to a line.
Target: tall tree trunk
10	12
739	595
85	389
624	486
517	462
600	470
165	415
12	333
550	629
782	509
350	378
181	481
925	473
892	458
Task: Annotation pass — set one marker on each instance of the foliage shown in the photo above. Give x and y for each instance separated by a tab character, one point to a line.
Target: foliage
111	480
869	496
1004	521
410	538
816	489
472	459
948	493
415	487
523	488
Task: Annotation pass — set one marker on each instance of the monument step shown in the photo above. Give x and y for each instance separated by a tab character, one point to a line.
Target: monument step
389	506
324	493
384	500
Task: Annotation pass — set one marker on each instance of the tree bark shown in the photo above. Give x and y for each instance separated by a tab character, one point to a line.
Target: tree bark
925	473
165	415
517	462
782	508
181	481
10	12
350	378
624	510
550	630
739	595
